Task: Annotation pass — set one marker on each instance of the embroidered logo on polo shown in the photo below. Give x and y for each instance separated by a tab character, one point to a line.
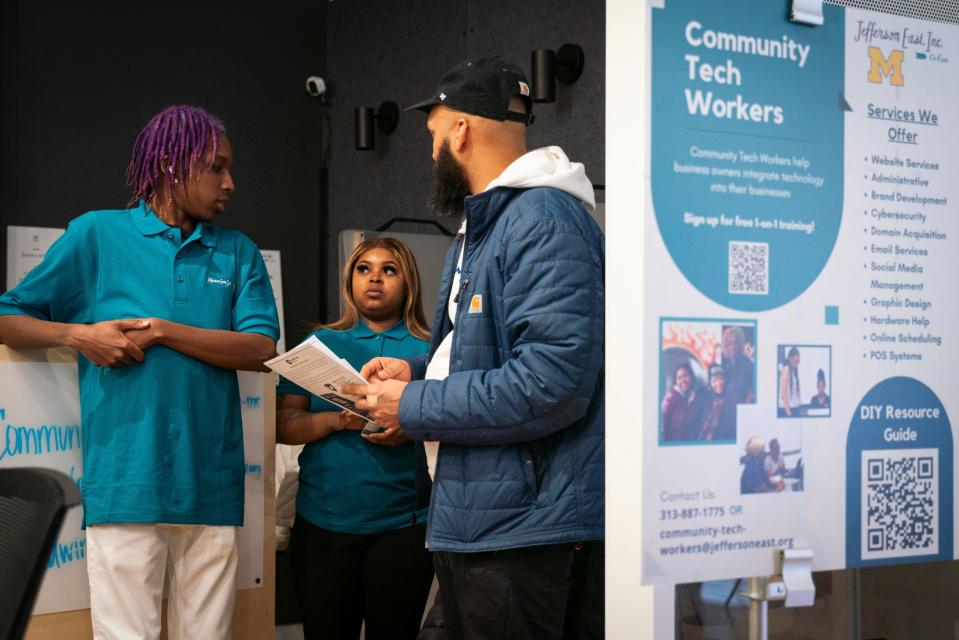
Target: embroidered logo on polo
221	282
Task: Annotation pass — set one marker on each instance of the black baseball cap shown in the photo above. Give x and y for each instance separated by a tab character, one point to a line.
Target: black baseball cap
482	87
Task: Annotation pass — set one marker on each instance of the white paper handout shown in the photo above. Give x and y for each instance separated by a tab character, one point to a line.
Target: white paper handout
315	367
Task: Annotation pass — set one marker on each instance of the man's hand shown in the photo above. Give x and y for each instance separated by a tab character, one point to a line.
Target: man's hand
105	344
390	438
147	336
385	409
348	421
387	369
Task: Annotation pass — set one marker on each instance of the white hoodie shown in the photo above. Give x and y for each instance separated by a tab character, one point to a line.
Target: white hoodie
548	167
545	167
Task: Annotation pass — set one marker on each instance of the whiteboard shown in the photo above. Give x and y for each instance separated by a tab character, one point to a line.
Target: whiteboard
253	386
40	419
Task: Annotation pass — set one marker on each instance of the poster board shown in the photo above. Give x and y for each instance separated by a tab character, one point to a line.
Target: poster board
271	258
64	597
800	254
26	247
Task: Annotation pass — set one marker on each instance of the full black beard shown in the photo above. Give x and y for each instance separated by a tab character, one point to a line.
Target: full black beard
450	186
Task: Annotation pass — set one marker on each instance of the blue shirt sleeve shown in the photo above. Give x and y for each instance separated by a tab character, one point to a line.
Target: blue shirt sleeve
254	308
61	287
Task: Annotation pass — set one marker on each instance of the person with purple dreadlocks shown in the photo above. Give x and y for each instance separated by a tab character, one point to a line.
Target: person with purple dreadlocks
162	306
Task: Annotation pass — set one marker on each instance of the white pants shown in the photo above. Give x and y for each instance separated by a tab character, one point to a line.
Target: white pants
127	563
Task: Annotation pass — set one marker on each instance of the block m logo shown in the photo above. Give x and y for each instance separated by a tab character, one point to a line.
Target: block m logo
880	66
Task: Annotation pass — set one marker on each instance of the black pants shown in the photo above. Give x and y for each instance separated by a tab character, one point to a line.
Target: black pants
344	579
586	605
553	591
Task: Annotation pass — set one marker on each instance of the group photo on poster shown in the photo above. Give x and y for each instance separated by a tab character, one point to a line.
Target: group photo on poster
707	369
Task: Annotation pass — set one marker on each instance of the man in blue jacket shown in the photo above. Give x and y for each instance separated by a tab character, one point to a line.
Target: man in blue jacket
513	387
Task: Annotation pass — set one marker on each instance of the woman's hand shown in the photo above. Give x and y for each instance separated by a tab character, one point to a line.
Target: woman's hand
296	424
390	438
347	421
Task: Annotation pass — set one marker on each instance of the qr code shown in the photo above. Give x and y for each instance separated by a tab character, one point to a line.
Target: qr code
900	503
749	268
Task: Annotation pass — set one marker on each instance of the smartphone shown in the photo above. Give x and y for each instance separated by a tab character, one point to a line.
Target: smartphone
372	427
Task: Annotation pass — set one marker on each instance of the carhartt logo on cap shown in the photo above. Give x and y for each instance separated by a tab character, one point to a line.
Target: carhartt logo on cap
442	96
524	88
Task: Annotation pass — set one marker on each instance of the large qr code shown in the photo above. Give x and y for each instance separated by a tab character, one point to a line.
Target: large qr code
900	503
749	268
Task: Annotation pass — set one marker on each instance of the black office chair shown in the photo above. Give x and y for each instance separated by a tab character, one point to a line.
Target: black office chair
33	503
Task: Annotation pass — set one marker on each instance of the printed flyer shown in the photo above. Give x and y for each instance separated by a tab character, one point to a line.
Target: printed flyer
801	251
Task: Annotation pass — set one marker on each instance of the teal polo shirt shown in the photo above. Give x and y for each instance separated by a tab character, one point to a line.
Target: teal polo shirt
162	439
346	483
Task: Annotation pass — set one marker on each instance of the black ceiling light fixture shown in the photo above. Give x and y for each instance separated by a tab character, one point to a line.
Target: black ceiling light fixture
565	65
386	118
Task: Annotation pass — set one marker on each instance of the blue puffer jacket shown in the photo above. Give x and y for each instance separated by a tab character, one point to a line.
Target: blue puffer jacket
521	415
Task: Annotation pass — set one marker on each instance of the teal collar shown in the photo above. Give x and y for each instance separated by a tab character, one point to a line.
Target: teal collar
396	332
149	224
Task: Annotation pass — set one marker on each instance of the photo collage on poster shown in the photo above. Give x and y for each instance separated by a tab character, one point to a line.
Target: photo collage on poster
708	395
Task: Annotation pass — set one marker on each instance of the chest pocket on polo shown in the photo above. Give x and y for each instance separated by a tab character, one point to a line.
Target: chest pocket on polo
214	299
204	298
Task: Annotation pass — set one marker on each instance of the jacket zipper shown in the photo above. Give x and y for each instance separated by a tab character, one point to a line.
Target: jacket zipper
465	282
